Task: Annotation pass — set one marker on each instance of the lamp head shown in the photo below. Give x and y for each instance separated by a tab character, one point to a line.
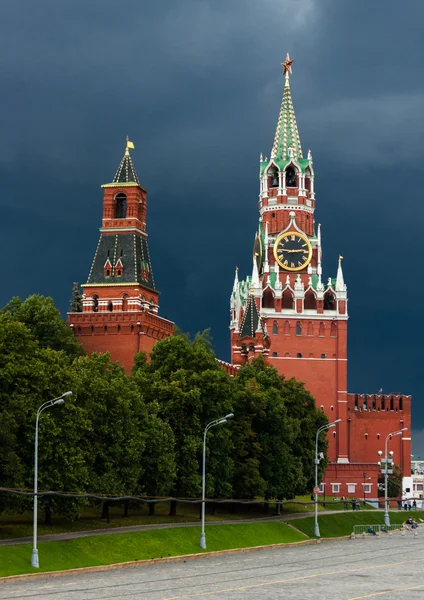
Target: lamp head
66	394
221	421
59	401
391	452
229	416
380	453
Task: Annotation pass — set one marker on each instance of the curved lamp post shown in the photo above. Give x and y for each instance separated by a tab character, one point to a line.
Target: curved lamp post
317	461
208	426
48	404
386	466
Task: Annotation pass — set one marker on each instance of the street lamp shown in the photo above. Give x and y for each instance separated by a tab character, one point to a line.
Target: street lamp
48	404
208	426
386	474
317	461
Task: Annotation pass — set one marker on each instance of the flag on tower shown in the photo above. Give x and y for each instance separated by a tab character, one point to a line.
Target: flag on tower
130	144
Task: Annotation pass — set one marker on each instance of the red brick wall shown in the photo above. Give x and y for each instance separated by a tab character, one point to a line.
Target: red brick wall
370	419
122	334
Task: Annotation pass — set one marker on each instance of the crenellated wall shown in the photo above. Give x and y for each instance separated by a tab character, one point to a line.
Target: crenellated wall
371	417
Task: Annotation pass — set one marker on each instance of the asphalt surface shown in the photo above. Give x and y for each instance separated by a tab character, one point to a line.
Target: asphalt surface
387	567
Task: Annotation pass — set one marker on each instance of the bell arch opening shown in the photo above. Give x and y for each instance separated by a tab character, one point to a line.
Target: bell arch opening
120	206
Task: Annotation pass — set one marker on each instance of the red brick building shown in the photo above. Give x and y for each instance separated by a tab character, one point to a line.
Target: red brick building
120	301
297	320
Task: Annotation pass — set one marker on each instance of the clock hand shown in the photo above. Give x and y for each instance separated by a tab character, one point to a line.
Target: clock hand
301	250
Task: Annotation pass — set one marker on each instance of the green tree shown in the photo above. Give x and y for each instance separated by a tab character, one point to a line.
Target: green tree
112	442
75	305
29	376
274	435
191	390
43	319
394	483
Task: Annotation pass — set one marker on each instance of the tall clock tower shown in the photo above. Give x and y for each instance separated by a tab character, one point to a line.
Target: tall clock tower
120	301
286	310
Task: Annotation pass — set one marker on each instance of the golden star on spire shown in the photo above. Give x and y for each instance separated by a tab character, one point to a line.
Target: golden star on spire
287	64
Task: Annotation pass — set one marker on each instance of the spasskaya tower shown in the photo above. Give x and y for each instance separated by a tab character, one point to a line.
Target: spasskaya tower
297	319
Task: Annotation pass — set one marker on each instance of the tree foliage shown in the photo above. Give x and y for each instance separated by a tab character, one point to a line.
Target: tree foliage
43	320
75	304
143	434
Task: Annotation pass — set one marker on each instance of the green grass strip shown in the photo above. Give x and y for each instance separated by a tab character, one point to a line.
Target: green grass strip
342	524
141	545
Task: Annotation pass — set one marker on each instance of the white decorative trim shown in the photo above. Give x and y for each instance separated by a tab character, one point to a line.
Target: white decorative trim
287	207
289	312
309	358
121	229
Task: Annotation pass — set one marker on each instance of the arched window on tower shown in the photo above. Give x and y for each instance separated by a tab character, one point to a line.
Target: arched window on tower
125	302
288	299
120	206
308	180
321	330
273	174
268	299
110	306
286	328
310	300
291	180
310	328
333	330
95	304
275	328
329	301
298	328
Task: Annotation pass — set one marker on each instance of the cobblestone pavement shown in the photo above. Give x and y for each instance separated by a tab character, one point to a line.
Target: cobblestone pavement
387	567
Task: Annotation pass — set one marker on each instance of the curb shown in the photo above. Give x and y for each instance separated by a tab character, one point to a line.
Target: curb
181	558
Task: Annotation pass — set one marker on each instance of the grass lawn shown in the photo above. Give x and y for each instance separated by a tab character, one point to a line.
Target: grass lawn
16	526
108	549
342	524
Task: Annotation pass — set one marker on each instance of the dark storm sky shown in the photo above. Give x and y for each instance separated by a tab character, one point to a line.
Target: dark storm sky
197	86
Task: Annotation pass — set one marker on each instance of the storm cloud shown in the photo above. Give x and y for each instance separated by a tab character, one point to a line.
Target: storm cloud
197	86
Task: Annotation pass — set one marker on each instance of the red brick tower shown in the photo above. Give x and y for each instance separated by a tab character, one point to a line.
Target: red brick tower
120	301
286	311
303	321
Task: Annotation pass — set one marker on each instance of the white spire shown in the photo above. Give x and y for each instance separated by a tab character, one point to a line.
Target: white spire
298	284
340	284
255	275
266	244
320	286
236	281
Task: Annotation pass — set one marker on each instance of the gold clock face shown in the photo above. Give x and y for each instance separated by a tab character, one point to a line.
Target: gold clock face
292	251
257	252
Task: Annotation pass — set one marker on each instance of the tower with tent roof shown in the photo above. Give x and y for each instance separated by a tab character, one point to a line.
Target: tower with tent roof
120	302
296	318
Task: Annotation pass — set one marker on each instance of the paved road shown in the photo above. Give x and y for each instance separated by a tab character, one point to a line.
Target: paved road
388	568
